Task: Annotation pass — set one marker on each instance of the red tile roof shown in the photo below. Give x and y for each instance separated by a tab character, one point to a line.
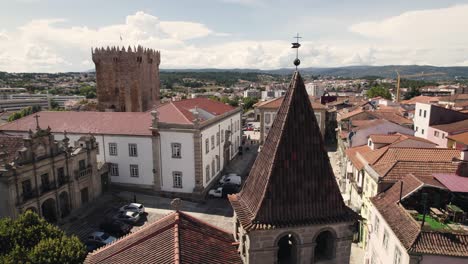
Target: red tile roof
397	138
175	238
460	126
407	229
291	182
384	139
462	138
352	153
180	112
394	171
117	123
453	182
421	99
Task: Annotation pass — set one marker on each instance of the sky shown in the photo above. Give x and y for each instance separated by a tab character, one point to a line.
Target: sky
57	35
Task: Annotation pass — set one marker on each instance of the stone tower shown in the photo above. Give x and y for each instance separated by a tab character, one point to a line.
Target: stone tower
290	209
127	80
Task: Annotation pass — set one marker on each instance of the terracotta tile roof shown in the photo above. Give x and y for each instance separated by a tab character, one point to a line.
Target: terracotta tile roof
351	153
361	124
460	126
384	139
291	182
452	181
175	238
392	117
118	123
462	138
10	145
276	103
419	154
181	112
344	116
398	138
394	171
408	231
421	99
454	98
438	243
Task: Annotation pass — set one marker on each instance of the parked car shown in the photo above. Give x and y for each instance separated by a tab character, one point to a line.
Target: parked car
231	178
133	207
100	237
223	191
127	217
115	227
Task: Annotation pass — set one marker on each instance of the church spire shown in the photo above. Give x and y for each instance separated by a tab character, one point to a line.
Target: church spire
291	182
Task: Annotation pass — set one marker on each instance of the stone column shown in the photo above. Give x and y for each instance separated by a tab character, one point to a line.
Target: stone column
156	146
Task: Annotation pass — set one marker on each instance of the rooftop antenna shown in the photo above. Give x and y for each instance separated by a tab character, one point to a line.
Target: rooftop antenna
296	45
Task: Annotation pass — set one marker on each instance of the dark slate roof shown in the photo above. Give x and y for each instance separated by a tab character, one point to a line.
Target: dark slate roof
291	182
175	238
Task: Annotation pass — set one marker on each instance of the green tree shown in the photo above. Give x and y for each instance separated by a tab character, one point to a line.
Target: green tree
379	91
30	239
53	104
249	102
413	92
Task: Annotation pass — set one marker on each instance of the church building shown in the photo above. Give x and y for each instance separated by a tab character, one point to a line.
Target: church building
290	209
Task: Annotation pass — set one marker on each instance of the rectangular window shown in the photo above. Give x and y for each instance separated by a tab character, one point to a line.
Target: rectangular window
113	149
420	112
114	169
222	135
207	170
436	133
267	119
45	179
425	113
212	142
177	178
176	150
416	129
217	163
97	147
443	135
132	150
385	239
27	189
422	131
217	138
61	172
207	145
376	225
213	168
81	164
134	170
397	257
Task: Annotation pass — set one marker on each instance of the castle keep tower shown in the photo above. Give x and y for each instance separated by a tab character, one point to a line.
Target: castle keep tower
127	80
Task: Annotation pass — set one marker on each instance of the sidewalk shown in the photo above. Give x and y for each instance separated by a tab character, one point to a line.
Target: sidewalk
242	164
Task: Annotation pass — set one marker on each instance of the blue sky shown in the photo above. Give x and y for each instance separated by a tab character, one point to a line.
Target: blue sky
52	36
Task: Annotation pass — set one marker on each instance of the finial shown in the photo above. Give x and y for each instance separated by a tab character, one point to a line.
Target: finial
296	46
176	203
36	116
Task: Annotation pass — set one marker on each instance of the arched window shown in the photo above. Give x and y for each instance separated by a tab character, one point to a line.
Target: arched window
325	246
287	251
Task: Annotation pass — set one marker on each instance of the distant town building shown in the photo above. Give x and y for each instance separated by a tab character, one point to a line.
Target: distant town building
271	94
314	89
49	177
127	80
5	92
254	93
18	104
59	99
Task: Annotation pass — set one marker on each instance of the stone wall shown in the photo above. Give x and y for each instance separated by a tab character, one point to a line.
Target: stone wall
127	80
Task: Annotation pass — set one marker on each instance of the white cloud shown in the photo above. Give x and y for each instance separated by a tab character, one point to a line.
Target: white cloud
436	37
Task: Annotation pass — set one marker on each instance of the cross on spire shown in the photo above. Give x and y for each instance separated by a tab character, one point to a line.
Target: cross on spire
296	45
36	116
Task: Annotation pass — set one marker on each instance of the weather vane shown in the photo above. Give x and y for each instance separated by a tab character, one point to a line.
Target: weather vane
296	46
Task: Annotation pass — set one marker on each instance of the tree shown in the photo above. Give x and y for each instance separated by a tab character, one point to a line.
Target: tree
53	104
30	239
379	91
413	92
249	102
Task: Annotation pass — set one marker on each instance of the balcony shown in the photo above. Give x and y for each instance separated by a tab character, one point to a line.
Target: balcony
48	187
83	172
26	196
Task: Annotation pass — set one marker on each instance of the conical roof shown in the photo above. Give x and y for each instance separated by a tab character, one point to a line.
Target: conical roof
291	182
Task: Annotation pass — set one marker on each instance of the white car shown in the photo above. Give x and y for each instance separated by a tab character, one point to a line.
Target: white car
216	192
133	207
101	237
128	217
231	178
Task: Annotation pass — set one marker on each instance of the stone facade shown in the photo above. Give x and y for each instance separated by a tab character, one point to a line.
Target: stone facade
48	176
262	246
127	80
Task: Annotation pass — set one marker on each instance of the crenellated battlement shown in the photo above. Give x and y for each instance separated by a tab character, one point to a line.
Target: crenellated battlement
116	53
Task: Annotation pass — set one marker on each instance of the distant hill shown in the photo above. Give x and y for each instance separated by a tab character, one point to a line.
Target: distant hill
387	71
